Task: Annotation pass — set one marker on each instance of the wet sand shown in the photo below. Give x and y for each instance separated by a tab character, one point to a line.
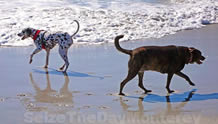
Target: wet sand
88	95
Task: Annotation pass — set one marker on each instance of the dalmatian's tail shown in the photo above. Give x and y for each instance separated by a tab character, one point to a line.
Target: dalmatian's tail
77	28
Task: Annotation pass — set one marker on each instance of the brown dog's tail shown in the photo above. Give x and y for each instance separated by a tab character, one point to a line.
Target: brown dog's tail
117	45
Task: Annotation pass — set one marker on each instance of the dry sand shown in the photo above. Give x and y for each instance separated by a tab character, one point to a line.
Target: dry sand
88	95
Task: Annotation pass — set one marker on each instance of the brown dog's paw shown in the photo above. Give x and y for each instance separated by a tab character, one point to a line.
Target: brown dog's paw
171	91
122	94
192	84
147	91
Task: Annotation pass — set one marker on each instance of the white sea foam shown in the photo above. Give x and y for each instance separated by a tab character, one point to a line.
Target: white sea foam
101	24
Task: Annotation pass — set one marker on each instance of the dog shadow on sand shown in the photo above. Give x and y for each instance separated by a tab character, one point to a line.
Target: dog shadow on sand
174	98
69	73
177	98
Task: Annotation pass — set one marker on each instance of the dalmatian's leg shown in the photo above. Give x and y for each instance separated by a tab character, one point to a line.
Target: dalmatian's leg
47	58
37	50
66	49
63	54
67	63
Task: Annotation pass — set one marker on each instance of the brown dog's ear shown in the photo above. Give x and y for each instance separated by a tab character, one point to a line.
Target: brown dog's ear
191	49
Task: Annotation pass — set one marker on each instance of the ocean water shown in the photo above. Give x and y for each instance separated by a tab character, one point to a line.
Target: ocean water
108	3
102	20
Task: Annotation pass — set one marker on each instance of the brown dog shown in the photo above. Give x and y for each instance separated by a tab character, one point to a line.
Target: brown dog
164	59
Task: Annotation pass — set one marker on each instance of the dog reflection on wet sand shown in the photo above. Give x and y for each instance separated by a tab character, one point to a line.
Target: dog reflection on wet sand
48	95
174	106
140	113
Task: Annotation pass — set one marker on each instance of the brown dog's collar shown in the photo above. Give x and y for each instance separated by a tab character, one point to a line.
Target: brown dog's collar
191	55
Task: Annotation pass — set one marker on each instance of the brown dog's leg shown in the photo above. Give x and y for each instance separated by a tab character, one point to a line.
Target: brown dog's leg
131	74
140	75
123	83
169	77
185	77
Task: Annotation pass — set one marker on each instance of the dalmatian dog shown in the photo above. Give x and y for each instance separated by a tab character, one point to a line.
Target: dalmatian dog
47	40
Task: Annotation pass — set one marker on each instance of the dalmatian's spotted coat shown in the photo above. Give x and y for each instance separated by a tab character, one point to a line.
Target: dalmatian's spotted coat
47	40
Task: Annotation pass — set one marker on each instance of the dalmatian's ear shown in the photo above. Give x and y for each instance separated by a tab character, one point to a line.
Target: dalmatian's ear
29	31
